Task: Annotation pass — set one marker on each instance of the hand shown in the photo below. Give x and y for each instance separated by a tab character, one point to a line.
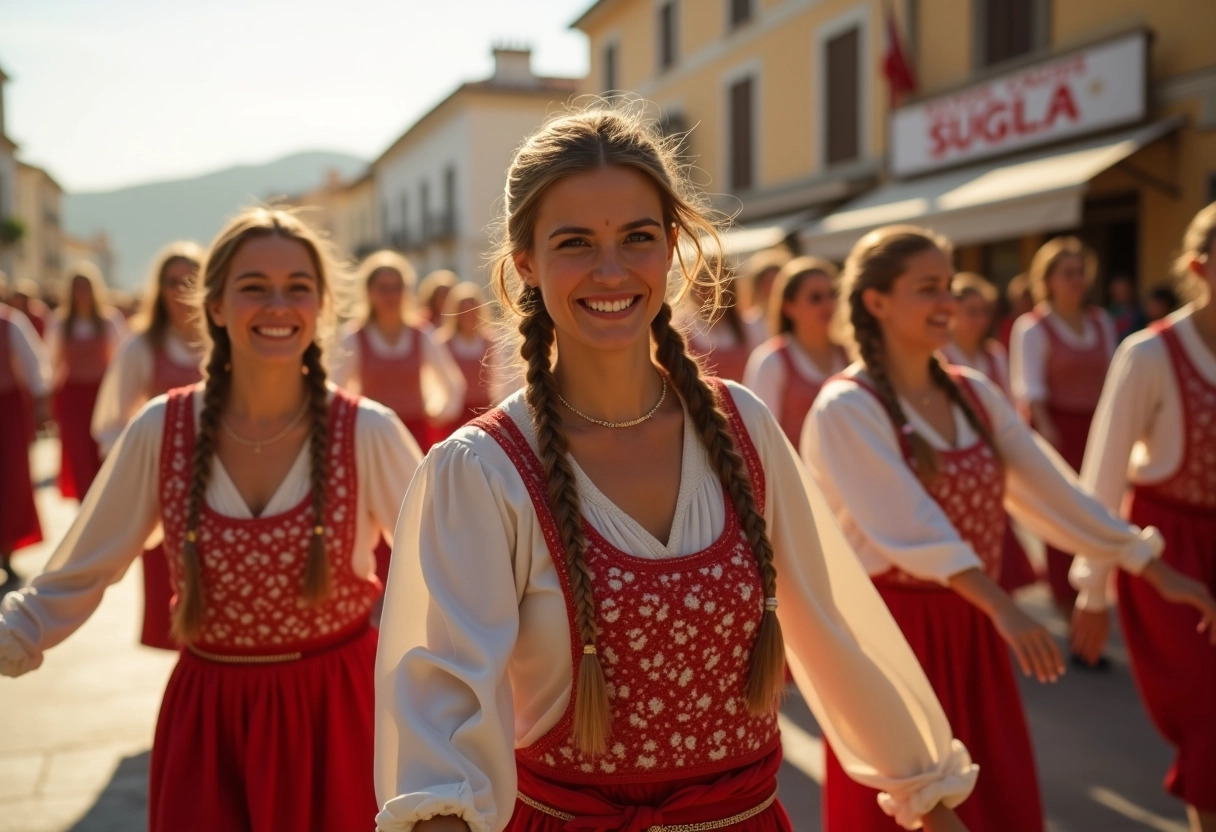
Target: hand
1090	630
943	819
1035	649
1178	588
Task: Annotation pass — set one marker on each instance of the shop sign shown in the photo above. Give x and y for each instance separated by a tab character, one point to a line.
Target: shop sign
1071	95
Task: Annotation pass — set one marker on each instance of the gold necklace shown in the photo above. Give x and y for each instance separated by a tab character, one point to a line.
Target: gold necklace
257	445
628	424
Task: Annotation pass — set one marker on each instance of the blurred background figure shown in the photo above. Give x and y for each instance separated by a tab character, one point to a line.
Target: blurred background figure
1018	301
24	296
756	278
788	370
1058	354
466	334
433	295
81	339
1124	311
164	353
724	343
1161	302
23	403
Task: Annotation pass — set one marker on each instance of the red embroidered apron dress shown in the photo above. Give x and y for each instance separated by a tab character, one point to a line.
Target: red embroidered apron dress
1074	384
154	632
267	720
674	637
963	656
477	386
799	393
396	382
19	526
85	361
1174	666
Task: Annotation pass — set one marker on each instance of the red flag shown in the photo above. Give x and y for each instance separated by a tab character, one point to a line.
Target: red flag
901	78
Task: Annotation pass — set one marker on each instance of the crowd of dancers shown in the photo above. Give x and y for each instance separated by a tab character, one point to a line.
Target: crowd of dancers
431	567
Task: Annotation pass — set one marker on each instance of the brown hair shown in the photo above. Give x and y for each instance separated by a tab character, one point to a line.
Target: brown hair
1197	242
876	262
154	314
68	313
1049	256
786	285
253	223
970	283
385	260
429	288
587	141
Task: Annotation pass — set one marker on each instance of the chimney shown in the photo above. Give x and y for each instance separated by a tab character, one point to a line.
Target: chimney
513	66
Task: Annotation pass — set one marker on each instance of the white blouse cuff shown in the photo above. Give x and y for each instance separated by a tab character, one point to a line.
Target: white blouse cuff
18	654
1091	581
456	799
950	784
1137	552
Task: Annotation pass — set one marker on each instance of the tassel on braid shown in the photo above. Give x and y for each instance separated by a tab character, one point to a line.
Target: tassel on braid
188	614
766	672
317	580
591	709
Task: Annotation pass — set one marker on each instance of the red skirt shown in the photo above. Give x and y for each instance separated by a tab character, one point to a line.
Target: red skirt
1174	666
1074	432
1016	569
635	807
969	668
422	431
80	458
158	595
267	747
19	526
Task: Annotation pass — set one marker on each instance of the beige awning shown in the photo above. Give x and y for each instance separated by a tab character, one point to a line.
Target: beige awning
1033	193
742	241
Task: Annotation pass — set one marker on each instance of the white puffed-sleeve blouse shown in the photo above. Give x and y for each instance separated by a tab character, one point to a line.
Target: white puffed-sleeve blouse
123	509
474	658
1137	432
853	453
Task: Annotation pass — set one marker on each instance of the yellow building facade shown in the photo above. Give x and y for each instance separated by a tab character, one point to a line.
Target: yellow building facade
39	254
793	132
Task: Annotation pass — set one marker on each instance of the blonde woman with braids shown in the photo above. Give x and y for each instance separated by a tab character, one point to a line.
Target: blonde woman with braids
1058	356
271	486
395	360
164	353
581	629
1155	434
467	335
920	463
787	371
81	339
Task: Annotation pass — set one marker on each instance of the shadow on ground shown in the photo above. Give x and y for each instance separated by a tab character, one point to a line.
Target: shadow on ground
124	797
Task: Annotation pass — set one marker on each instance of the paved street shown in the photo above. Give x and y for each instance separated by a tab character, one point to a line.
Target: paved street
74	735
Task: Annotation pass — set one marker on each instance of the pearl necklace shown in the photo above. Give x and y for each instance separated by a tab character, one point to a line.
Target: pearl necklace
628	424
257	445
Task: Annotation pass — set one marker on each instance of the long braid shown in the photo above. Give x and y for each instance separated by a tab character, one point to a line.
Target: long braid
591	710
944	380
869	340
317	580
188	615
765	674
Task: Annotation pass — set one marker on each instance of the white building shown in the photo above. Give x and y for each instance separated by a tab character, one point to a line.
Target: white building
440	184
8	183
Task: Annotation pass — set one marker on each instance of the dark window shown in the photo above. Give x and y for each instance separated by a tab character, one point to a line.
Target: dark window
667	35
740	12
610	80
843	85
1211	187
448	221
425	200
1008	28
742	115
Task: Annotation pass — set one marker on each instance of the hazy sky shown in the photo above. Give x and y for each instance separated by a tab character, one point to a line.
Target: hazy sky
105	93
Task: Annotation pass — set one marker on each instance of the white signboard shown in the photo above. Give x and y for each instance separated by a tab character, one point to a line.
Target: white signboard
1078	93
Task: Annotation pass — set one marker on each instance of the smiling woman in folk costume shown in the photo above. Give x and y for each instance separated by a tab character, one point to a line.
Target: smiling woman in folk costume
164	353
1058	355
81	340
23	401
1155	433
467	336
393	361
616	663
271	486
788	370
920	463
718	335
